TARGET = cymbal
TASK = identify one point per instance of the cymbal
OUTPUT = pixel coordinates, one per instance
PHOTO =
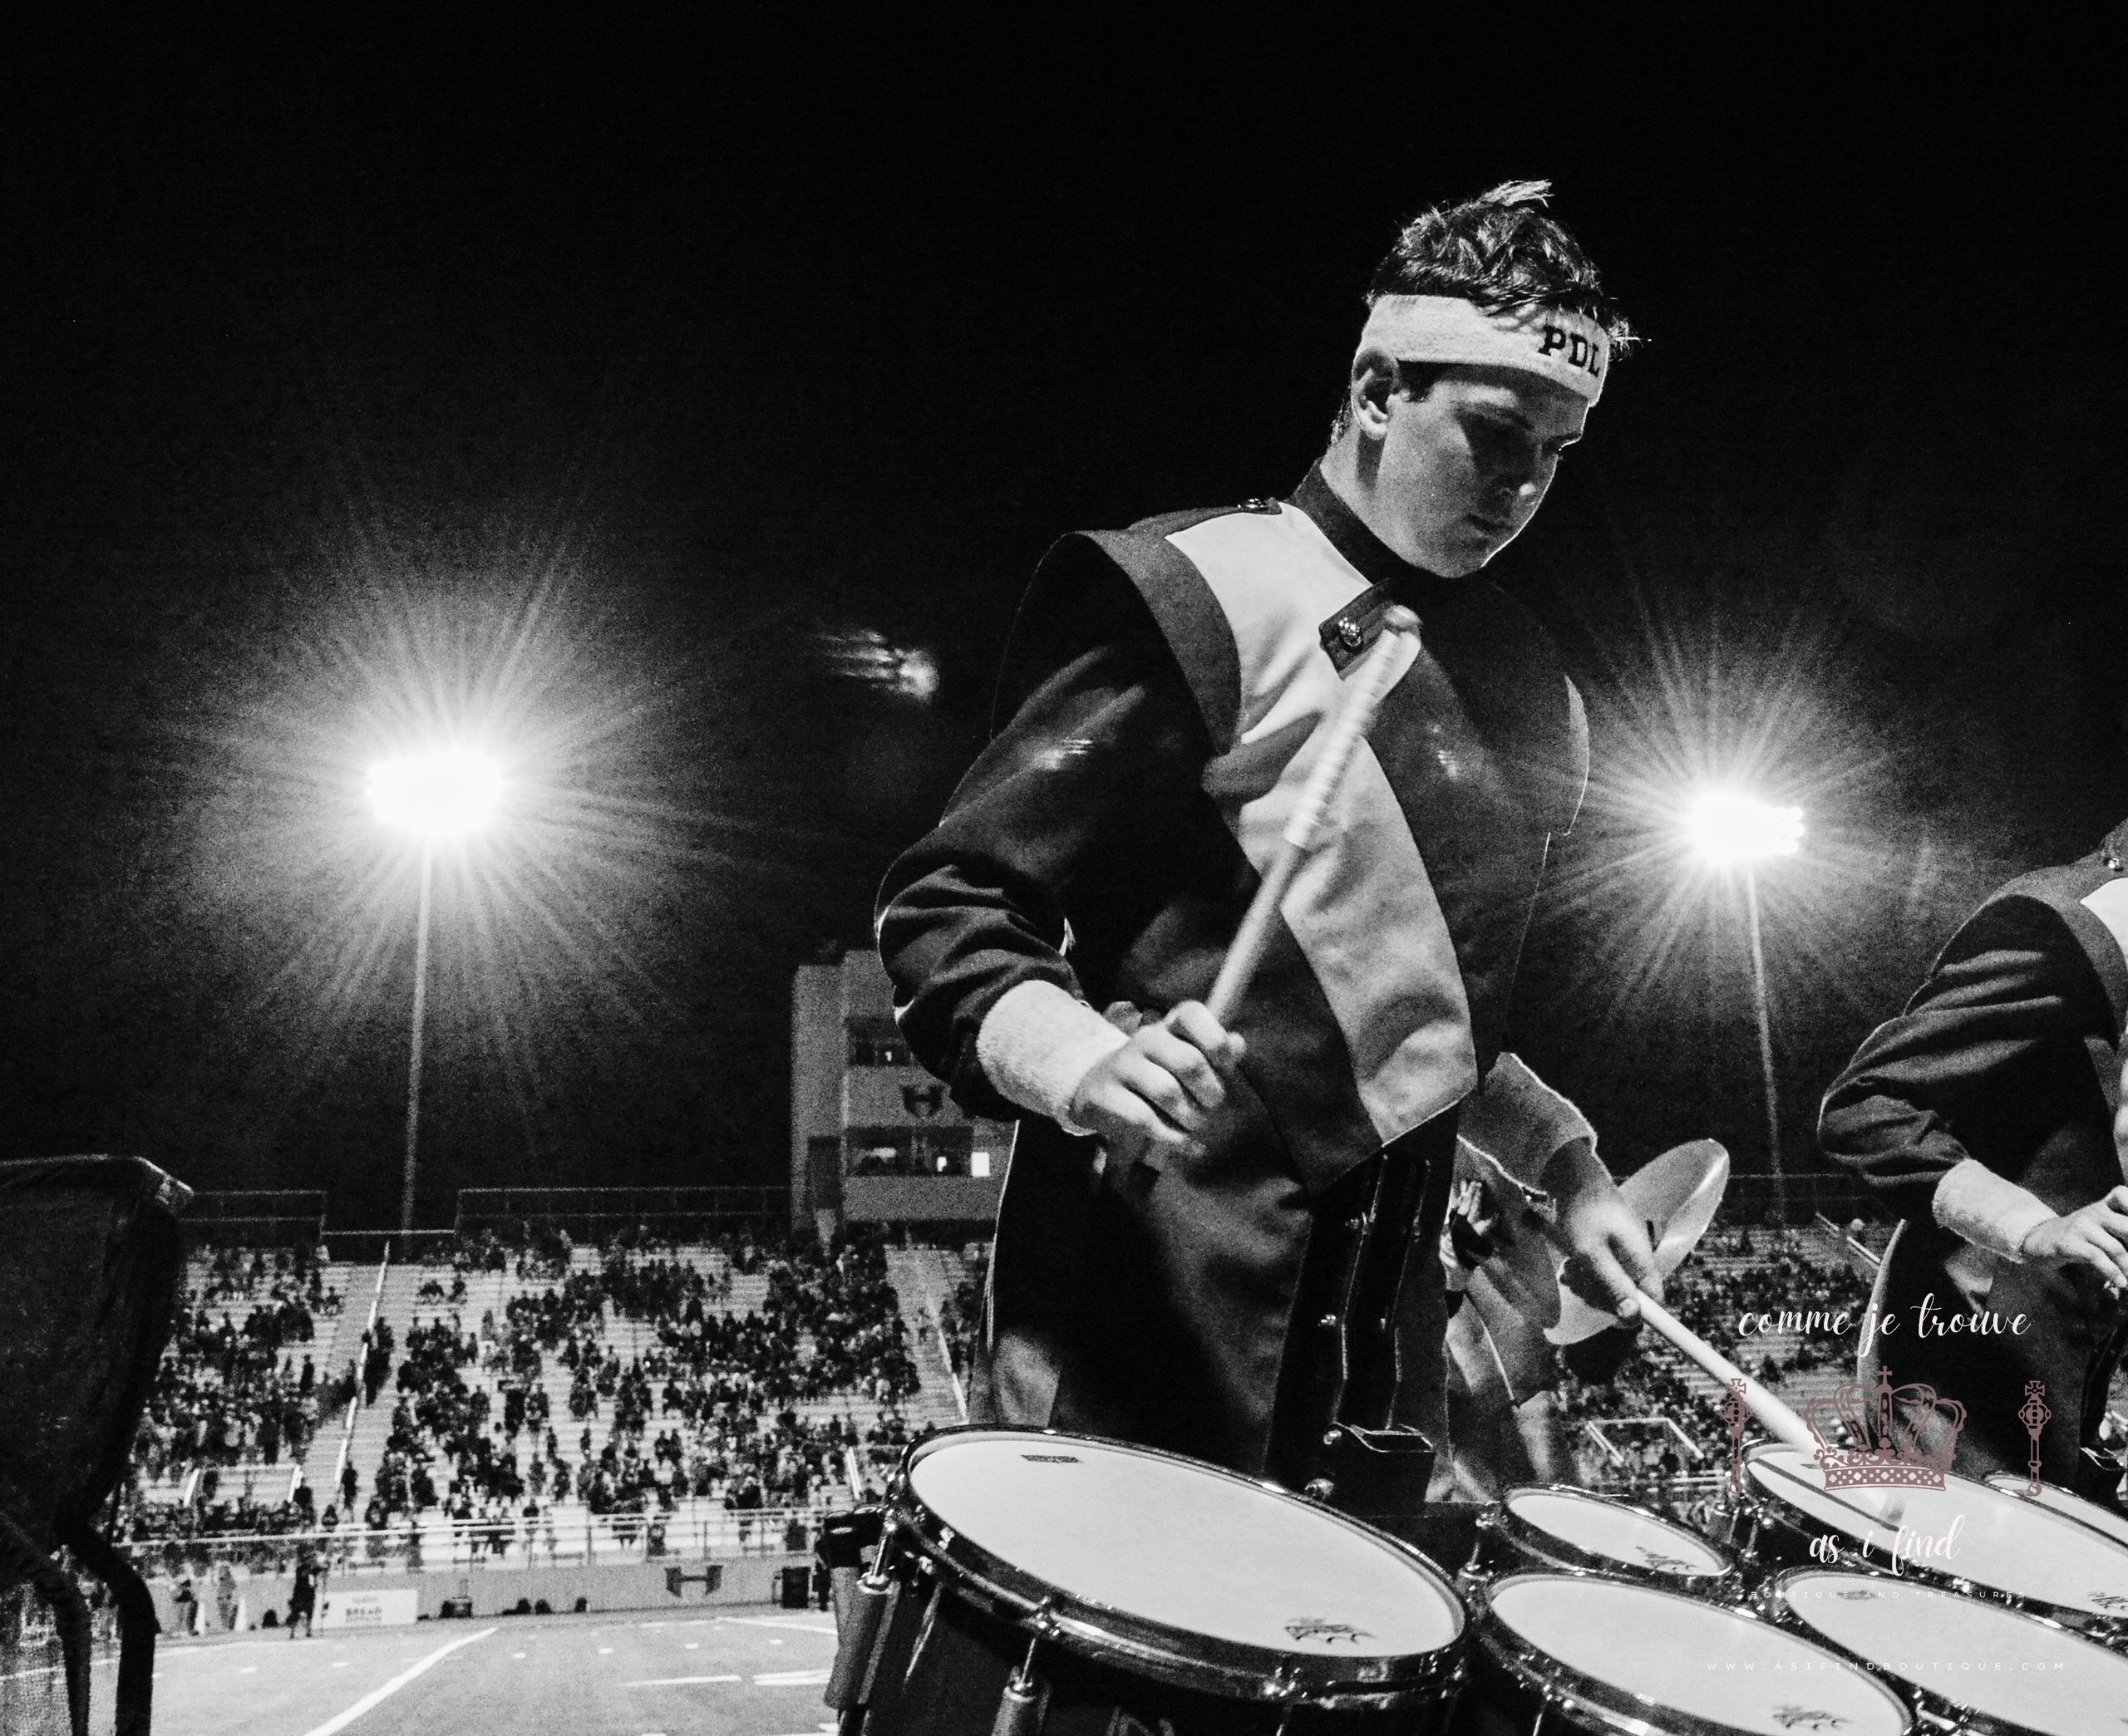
(1676, 1197)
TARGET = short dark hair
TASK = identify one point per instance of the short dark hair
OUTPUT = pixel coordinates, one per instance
(1499, 250)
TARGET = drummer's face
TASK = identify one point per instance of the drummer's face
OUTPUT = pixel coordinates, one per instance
(1459, 468)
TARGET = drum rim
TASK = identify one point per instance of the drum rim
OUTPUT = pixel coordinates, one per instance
(1758, 1501)
(1772, 1602)
(1612, 1707)
(2010, 1483)
(1571, 1558)
(1231, 1669)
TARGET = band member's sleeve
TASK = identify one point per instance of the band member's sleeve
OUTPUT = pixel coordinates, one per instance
(2013, 984)
(1519, 1121)
(1988, 1210)
(1103, 741)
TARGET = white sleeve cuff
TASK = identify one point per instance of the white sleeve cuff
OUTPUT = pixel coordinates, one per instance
(1037, 1043)
(1987, 1209)
(1521, 1121)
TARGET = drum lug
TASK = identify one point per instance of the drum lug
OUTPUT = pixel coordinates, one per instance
(1026, 1698)
(857, 1657)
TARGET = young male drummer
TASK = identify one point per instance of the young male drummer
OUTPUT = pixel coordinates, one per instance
(1985, 1115)
(1201, 1242)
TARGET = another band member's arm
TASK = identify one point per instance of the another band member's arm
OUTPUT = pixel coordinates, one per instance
(2012, 984)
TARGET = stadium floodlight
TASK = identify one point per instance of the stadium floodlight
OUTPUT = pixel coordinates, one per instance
(436, 795)
(1726, 827)
(449, 793)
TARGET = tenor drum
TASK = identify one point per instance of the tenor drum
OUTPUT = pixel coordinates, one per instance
(1965, 1536)
(1558, 1529)
(1607, 1656)
(1033, 1580)
(1965, 1665)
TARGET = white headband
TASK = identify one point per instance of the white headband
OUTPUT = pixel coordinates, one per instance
(1568, 349)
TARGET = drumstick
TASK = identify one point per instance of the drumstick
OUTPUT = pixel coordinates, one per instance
(1393, 653)
(1779, 1419)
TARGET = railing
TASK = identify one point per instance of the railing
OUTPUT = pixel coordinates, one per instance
(462, 1545)
(354, 1404)
(253, 1216)
(1752, 1198)
(587, 1211)
(361, 1246)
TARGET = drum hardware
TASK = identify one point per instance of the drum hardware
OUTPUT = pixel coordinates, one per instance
(1025, 1697)
(857, 1649)
(1377, 1475)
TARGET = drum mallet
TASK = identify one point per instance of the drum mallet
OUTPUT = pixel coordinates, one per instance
(1779, 1419)
(1395, 648)
(1394, 652)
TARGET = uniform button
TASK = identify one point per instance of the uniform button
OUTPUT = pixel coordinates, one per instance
(1328, 1323)
(1350, 633)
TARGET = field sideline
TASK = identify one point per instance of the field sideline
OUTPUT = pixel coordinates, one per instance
(759, 1671)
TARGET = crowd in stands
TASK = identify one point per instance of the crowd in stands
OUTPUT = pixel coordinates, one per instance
(706, 1408)
(229, 1393)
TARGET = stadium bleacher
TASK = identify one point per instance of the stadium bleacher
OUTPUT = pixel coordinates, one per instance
(725, 1390)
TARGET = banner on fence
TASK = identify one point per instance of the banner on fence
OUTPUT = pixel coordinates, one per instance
(368, 1608)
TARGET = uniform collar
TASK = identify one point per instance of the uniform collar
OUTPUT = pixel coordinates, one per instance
(1371, 558)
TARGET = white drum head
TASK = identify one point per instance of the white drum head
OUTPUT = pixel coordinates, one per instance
(1965, 1528)
(1679, 1654)
(1189, 1545)
(1597, 1526)
(2062, 1502)
(1979, 1656)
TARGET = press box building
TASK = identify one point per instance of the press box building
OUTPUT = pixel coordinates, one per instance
(873, 1138)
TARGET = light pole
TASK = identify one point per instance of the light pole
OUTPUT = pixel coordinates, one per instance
(434, 797)
(1730, 830)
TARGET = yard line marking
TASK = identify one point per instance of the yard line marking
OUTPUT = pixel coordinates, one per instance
(340, 1721)
(681, 1681)
(795, 1627)
(793, 1679)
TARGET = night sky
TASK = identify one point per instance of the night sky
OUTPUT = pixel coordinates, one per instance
(646, 396)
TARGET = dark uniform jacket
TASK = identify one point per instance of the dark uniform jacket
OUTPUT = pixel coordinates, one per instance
(2007, 1055)
(1160, 695)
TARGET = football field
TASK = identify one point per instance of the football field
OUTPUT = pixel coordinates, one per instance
(745, 1671)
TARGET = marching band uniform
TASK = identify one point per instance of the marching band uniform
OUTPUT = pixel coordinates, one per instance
(1160, 698)
(1984, 1109)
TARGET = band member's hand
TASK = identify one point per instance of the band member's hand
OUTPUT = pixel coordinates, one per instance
(1158, 1093)
(2094, 1235)
(1609, 1262)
